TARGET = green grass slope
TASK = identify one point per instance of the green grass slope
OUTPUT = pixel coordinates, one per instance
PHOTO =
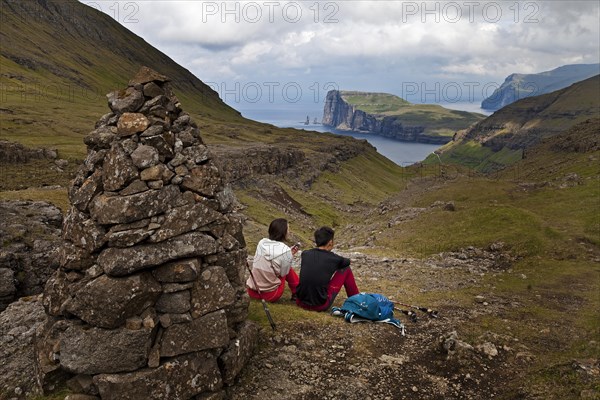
(500, 140)
(58, 60)
(545, 209)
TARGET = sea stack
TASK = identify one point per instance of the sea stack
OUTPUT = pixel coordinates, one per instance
(149, 300)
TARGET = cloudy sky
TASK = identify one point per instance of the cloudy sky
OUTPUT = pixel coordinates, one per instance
(271, 50)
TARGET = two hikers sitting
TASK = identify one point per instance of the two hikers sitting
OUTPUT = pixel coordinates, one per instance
(322, 272)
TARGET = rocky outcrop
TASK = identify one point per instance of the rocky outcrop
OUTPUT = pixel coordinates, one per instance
(341, 115)
(30, 237)
(16, 153)
(18, 324)
(149, 300)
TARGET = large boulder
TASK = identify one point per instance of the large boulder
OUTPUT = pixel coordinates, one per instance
(107, 302)
(95, 350)
(30, 236)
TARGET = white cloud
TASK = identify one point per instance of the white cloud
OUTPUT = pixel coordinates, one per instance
(369, 44)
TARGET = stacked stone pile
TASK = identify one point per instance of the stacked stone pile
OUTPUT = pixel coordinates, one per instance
(149, 300)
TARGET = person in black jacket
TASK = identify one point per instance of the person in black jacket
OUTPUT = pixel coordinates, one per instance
(323, 273)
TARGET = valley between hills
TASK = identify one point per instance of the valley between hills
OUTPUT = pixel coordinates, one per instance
(501, 235)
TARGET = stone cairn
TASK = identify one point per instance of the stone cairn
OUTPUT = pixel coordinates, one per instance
(149, 300)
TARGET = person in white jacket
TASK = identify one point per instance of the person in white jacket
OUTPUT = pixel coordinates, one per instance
(272, 265)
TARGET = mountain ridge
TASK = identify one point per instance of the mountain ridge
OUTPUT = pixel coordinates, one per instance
(518, 86)
(500, 139)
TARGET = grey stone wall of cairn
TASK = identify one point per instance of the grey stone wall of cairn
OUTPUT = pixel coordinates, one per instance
(149, 300)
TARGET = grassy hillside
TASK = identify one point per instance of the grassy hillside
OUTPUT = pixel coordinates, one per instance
(59, 58)
(437, 119)
(544, 210)
(499, 140)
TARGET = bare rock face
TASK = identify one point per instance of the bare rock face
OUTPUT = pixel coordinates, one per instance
(30, 237)
(149, 299)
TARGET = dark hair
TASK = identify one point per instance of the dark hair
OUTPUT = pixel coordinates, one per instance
(323, 235)
(278, 229)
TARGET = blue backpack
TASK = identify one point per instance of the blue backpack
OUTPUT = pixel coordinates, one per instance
(368, 307)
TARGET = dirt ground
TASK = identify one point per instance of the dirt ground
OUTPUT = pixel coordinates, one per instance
(436, 359)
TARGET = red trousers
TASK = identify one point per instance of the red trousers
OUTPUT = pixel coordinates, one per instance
(274, 295)
(340, 278)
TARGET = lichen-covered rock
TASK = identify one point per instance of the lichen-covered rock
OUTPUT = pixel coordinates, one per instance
(107, 302)
(181, 377)
(175, 303)
(184, 219)
(122, 261)
(145, 156)
(212, 291)
(118, 169)
(18, 324)
(239, 352)
(80, 196)
(204, 180)
(128, 100)
(132, 123)
(30, 234)
(95, 350)
(107, 209)
(177, 271)
(80, 230)
(202, 333)
(7, 283)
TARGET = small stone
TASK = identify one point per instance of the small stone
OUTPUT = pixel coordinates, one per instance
(157, 172)
(153, 131)
(94, 271)
(128, 100)
(152, 90)
(449, 206)
(489, 349)
(149, 322)
(479, 299)
(134, 323)
(176, 287)
(144, 156)
(154, 357)
(178, 302)
(165, 320)
(182, 170)
(145, 75)
(155, 184)
(132, 123)
(137, 186)
(414, 389)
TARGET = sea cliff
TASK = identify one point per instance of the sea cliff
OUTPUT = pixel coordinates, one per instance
(400, 120)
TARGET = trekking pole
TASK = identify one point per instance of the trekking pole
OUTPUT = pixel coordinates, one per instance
(410, 314)
(264, 303)
(429, 311)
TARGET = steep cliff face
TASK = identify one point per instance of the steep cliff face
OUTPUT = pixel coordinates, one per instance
(340, 114)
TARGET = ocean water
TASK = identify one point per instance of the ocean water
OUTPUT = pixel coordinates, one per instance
(294, 116)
